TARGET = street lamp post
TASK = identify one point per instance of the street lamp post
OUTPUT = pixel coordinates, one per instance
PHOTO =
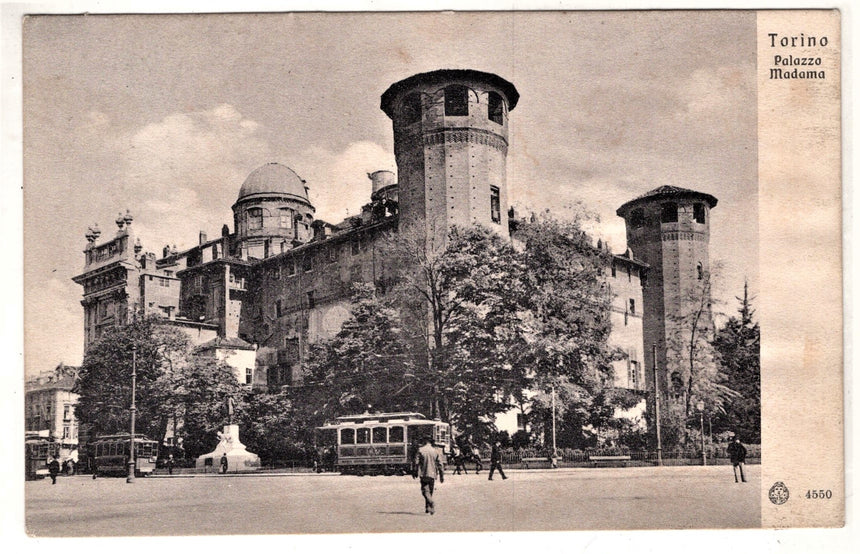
(701, 406)
(131, 464)
(553, 424)
(657, 407)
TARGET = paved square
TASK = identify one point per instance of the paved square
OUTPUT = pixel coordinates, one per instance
(567, 499)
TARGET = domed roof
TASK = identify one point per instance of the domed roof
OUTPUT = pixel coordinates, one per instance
(273, 178)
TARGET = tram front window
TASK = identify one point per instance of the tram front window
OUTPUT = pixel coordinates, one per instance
(347, 436)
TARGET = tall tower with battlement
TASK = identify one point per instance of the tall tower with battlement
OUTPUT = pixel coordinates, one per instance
(451, 145)
(669, 229)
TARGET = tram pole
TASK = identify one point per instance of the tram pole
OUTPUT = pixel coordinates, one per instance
(131, 462)
(657, 407)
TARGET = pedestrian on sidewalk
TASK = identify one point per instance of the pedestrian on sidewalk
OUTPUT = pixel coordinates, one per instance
(170, 464)
(457, 455)
(53, 469)
(428, 466)
(496, 461)
(224, 463)
(738, 455)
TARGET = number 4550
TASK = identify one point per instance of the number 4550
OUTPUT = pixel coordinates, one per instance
(820, 493)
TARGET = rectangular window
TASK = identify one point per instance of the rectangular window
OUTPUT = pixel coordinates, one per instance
(291, 267)
(362, 436)
(395, 434)
(347, 436)
(67, 412)
(634, 373)
(495, 205)
(332, 253)
(632, 306)
(279, 307)
(255, 218)
(669, 213)
(356, 245)
(495, 108)
(380, 435)
(456, 100)
(699, 213)
(249, 375)
(311, 302)
(308, 262)
(521, 421)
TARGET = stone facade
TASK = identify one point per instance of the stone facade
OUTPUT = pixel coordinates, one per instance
(49, 405)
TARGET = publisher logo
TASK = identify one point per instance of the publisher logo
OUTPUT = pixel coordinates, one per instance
(778, 493)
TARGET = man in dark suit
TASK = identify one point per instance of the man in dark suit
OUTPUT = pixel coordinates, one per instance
(738, 455)
(428, 466)
(53, 469)
(496, 461)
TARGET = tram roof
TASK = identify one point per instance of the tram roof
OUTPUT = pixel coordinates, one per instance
(123, 436)
(393, 417)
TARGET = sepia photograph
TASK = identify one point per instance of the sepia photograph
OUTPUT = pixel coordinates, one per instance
(385, 272)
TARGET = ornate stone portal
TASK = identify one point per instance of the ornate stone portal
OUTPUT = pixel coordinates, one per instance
(238, 458)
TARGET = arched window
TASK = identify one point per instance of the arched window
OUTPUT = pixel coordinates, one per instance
(496, 108)
(456, 100)
(699, 213)
(700, 273)
(411, 109)
(286, 218)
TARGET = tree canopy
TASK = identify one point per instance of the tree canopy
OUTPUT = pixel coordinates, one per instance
(738, 345)
(173, 384)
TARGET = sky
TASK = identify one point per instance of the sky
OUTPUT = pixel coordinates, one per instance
(167, 115)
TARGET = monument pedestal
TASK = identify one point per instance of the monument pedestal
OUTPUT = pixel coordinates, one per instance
(238, 458)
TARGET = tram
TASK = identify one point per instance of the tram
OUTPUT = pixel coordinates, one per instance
(110, 455)
(372, 444)
(37, 451)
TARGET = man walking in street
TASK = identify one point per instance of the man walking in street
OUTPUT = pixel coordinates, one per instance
(224, 463)
(428, 466)
(496, 461)
(738, 455)
(53, 469)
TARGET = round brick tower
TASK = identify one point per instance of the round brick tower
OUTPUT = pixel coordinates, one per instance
(668, 228)
(451, 144)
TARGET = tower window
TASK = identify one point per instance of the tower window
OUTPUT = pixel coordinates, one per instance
(411, 109)
(308, 262)
(700, 273)
(496, 108)
(456, 100)
(249, 375)
(699, 213)
(495, 205)
(632, 306)
(613, 269)
(311, 301)
(286, 218)
(634, 373)
(637, 218)
(255, 218)
(669, 213)
(279, 307)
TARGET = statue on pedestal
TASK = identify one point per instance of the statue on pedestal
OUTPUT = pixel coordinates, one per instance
(238, 458)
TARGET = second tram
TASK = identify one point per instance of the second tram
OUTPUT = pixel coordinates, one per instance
(110, 455)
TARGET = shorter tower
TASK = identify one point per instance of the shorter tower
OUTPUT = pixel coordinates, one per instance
(669, 229)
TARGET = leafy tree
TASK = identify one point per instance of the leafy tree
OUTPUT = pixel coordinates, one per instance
(738, 345)
(365, 366)
(275, 426)
(202, 389)
(695, 377)
(172, 385)
(569, 351)
(104, 382)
